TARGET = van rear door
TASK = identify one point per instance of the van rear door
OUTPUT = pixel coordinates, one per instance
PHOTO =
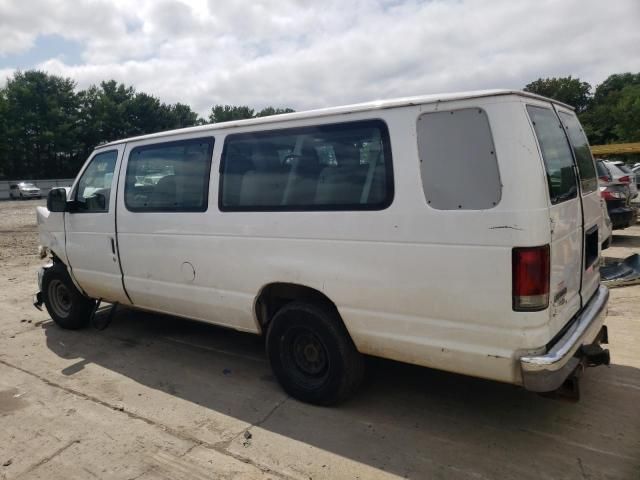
(590, 195)
(567, 232)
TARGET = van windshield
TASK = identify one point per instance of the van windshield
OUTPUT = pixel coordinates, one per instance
(556, 154)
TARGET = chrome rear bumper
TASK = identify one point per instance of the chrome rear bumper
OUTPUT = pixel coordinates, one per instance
(547, 372)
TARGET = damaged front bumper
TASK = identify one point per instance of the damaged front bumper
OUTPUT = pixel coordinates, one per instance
(37, 297)
(579, 345)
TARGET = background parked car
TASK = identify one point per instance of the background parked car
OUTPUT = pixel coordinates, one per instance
(620, 174)
(633, 184)
(636, 170)
(24, 190)
(606, 228)
(617, 193)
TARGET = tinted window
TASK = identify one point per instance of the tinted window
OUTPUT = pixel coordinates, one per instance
(169, 177)
(327, 167)
(602, 170)
(582, 152)
(458, 161)
(556, 154)
(94, 186)
(624, 168)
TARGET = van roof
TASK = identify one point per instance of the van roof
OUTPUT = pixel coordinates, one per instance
(344, 109)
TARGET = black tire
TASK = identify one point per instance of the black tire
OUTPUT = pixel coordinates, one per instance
(312, 354)
(68, 307)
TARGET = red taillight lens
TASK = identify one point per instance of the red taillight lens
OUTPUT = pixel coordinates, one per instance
(625, 179)
(604, 178)
(608, 194)
(531, 270)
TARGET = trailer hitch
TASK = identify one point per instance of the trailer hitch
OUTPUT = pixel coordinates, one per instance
(595, 355)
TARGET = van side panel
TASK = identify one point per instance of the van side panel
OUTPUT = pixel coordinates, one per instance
(411, 283)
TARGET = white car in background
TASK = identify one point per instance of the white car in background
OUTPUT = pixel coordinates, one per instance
(633, 176)
(24, 190)
(620, 173)
(606, 229)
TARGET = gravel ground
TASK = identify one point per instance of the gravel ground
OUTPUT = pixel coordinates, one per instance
(159, 397)
(18, 235)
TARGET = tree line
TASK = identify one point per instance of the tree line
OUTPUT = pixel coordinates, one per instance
(610, 113)
(48, 127)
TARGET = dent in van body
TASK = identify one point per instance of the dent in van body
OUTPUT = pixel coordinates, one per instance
(51, 232)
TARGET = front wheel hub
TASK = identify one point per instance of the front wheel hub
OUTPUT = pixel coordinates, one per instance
(59, 298)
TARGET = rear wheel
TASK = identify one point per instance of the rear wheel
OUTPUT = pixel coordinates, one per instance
(68, 307)
(312, 354)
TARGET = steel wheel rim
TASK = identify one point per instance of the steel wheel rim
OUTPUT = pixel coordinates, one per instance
(307, 358)
(59, 298)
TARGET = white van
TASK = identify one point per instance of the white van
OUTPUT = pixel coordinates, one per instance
(458, 232)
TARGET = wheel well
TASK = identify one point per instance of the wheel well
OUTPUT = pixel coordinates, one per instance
(276, 295)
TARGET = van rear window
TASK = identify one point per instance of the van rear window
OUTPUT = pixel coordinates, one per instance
(582, 152)
(556, 153)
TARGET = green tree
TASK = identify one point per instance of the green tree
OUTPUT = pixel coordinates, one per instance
(614, 114)
(40, 114)
(568, 90)
(47, 128)
(268, 111)
(182, 116)
(228, 113)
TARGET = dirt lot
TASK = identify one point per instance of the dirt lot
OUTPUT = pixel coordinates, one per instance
(157, 397)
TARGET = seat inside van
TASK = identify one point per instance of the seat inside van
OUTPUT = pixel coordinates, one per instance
(264, 184)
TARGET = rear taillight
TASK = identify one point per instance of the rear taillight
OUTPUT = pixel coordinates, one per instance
(530, 278)
(625, 179)
(604, 178)
(608, 194)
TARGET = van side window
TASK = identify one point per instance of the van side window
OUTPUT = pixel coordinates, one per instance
(169, 177)
(582, 152)
(556, 154)
(458, 161)
(94, 187)
(326, 167)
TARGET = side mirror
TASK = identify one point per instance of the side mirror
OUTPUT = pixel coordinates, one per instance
(57, 200)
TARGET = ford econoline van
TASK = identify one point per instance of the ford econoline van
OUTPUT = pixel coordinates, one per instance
(457, 232)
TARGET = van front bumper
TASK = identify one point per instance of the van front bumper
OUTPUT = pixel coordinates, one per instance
(576, 347)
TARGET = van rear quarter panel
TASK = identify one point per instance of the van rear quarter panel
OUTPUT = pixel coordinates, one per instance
(411, 283)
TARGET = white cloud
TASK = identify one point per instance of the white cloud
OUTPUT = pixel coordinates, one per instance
(307, 54)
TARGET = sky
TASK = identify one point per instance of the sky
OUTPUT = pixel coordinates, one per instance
(310, 54)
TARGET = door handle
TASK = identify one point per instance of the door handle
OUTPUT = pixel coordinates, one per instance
(113, 245)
